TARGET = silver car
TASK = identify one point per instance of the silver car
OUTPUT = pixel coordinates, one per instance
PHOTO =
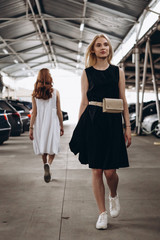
(150, 125)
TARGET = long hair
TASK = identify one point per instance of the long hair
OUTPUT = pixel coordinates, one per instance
(43, 87)
(90, 58)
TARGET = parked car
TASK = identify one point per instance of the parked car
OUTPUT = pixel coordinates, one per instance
(24, 112)
(5, 127)
(149, 109)
(26, 104)
(132, 106)
(150, 124)
(65, 116)
(13, 117)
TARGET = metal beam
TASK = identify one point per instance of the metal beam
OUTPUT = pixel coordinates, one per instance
(130, 64)
(40, 33)
(137, 75)
(16, 54)
(81, 31)
(9, 21)
(111, 9)
(90, 30)
(154, 50)
(25, 38)
(143, 85)
(46, 31)
(45, 18)
(128, 73)
(66, 38)
(154, 83)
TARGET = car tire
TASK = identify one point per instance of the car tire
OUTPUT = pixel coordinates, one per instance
(16, 134)
(156, 128)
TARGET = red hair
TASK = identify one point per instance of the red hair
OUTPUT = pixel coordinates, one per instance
(43, 87)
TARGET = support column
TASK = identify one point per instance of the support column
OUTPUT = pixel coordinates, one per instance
(137, 84)
(154, 82)
(143, 85)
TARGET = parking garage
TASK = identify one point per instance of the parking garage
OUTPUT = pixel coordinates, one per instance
(55, 35)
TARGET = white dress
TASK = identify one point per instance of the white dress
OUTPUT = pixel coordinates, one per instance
(46, 130)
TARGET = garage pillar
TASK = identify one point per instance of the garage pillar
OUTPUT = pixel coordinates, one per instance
(137, 71)
(143, 84)
(154, 82)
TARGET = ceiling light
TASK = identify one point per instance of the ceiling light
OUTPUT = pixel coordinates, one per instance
(81, 27)
(5, 51)
(15, 60)
(77, 66)
(80, 44)
(23, 69)
(29, 74)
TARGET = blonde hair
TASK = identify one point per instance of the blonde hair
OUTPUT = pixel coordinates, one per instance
(43, 87)
(90, 58)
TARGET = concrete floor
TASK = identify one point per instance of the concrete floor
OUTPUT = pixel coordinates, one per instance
(65, 208)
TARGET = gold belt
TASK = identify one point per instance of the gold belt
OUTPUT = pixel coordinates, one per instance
(99, 104)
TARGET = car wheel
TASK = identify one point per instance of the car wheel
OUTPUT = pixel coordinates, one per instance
(153, 127)
(157, 130)
(18, 133)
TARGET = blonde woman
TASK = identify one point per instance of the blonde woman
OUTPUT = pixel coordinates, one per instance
(46, 124)
(98, 136)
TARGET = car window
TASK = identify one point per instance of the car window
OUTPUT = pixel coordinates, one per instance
(18, 108)
(5, 106)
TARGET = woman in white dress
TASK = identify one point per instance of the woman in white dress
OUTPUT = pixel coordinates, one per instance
(46, 124)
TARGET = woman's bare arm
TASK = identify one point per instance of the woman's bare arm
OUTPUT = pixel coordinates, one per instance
(84, 89)
(59, 113)
(33, 117)
(126, 112)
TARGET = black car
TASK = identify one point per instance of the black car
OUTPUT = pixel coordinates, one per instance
(13, 117)
(24, 112)
(132, 106)
(65, 116)
(27, 104)
(5, 127)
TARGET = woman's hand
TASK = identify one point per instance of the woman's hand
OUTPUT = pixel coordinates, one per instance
(61, 131)
(31, 134)
(127, 136)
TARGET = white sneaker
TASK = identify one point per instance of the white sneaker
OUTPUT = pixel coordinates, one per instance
(114, 206)
(102, 221)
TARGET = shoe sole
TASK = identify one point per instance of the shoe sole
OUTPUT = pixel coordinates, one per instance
(47, 175)
(114, 216)
(101, 228)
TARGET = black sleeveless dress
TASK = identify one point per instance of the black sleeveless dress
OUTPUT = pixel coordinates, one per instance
(98, 137)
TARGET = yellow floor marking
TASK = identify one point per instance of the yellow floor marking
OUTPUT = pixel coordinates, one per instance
(156, 143)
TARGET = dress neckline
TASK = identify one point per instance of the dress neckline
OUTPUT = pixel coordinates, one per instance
(102, 69)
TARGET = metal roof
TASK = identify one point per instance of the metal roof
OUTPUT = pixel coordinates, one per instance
(128, 62)
(46, 33)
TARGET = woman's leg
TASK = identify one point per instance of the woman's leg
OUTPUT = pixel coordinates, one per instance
(44, 158)
(112, 181)
(47, 175)
(98, 188)
(50, 160)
